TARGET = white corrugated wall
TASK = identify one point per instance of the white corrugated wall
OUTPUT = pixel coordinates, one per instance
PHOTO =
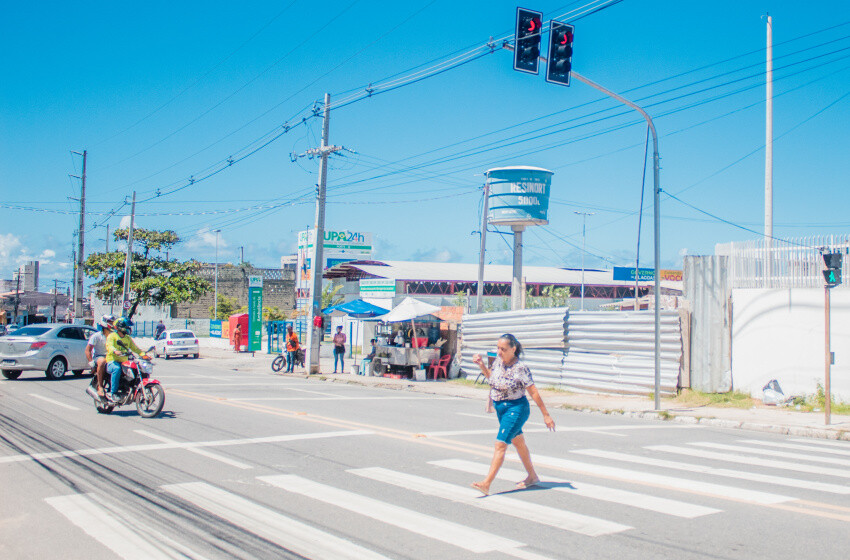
(590, 351)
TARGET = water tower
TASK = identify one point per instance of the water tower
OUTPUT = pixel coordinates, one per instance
(517, 196)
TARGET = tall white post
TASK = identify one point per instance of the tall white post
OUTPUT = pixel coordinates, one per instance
(516, 281)
(215, 292)
(584, 216)
(768, 160)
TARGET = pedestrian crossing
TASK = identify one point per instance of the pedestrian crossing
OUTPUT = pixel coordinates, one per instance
(636, 499)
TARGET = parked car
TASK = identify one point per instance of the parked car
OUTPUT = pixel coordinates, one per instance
(54, 348)
(177, 343)
(2, 330)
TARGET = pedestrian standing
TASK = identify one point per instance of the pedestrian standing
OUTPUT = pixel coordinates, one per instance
(237, 337)
(291, 348)
(510, 380)
(160, 328)
(339, 349)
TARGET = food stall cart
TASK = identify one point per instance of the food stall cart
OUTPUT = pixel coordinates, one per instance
(402, 346)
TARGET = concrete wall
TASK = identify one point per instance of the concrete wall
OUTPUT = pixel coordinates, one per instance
(233, 282)
(779, 334)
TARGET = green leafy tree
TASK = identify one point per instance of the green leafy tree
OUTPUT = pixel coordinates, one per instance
(273, 314)
(331, 295)
(460, 299)
(550, 296)
(227, 306)
(154, 279)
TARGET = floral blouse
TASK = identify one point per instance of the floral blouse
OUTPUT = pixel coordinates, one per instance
(509, 382)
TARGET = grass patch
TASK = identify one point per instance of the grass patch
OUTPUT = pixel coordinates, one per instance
(467, 381)
(816, 403)
(732, 399)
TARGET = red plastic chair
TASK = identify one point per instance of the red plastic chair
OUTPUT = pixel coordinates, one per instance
(439, 365)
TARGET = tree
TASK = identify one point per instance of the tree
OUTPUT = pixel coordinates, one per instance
(227, 306)
(550, 296)
(331, 295)
(273, 314)
(154, 278)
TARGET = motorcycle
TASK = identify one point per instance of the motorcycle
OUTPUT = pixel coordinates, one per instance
(135, 386)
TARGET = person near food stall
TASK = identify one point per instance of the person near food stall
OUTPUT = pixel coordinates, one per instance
(339, 349)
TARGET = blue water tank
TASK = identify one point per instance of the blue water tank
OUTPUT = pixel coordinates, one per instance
(519, 195)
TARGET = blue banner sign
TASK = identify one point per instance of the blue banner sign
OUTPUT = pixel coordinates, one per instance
(628, 273)
(519, 196)
(215, 328)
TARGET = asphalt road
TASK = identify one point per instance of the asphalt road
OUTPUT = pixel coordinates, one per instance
(252, 465)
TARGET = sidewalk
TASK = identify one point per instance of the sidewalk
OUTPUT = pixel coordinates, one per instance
(760, 418)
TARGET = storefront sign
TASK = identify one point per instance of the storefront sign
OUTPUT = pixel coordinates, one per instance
(645, 274)
(377, 288)
(215, 328)
(255, 313)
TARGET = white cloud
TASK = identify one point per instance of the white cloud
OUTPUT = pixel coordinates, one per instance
(47, 254)
(205, 237)
(125, 222)
(9, 244)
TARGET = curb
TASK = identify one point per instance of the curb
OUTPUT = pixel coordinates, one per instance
(664, 416)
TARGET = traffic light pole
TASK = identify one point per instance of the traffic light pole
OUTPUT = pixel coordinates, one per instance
(656, 173)
(827, 393)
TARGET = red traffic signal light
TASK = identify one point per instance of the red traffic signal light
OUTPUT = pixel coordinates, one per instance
(529, 27)
(560, 52)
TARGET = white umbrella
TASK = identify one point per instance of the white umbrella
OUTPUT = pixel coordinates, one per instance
(407, 310)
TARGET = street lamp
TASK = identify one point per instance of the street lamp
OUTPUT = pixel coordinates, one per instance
(215, 298)
(584, 216)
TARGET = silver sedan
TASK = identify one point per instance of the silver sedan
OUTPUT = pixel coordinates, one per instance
(54, 349)
(177, 343)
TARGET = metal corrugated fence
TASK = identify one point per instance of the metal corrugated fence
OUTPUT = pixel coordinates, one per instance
(603, 352)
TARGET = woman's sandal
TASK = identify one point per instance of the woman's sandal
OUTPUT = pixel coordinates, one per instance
(524, 485)
(478, 486)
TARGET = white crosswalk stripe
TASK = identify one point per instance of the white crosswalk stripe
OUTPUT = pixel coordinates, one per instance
(733, 458)
(773, 453)
(468, 538)
(593, 491)
(545, 515)
(687, 485)
(845, 445)
(727, 473)
(271, 525)
(114, 529)
(801, 447)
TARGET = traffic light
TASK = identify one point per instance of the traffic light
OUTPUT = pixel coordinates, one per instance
(529, 27)
(560, 53)
(832, 274)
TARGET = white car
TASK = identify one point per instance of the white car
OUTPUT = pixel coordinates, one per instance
(52, 348)
(177, 343)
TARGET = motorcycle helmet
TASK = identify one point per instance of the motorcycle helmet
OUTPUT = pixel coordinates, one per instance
(122, 325)
(107, 320)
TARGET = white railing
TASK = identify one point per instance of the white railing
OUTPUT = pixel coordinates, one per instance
(792, 263)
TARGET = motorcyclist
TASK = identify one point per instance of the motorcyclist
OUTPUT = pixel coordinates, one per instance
(117, 344)
(96, 350)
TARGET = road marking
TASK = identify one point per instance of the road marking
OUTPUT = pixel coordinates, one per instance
(339, 398)
(596, 429)
(284, 531)
(592, 491)
(784, 465)
(684, 484)
(545, 515)
(198, 451)
(728, 473)
(52, 401)
(842, 445)
(492, 431)
(177, 445)
(448, 532)
(117, 531)
(813, 448)
(774, 453)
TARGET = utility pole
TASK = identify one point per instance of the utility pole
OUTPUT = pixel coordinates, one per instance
(768, 160)
(314, 335)
(107, 238)
(584, 216)
(128, 261)
(215, 297)
(81, 245)
(479, 293)
(55, 297)
(17, 293)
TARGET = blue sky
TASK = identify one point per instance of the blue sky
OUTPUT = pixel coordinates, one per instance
(167, 93)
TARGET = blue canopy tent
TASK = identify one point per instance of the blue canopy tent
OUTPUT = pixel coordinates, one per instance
(358, 309)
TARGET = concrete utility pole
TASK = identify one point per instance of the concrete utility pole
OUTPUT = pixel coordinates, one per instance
(215, 297)
(128, 261)
(314, 335)
(17, 293)
(81, 245)
(479, 293)
(768, 160)
(55, 298)
(516, 280)
(107, 238)
(584, 216)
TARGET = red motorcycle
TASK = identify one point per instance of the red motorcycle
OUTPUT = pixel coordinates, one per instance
(135, 386)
